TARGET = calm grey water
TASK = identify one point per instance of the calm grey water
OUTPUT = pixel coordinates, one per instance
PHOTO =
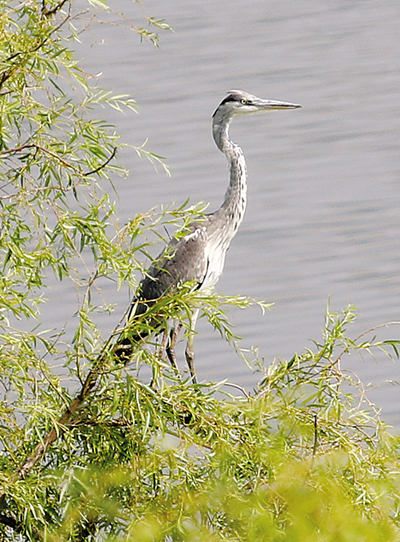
(323, 218)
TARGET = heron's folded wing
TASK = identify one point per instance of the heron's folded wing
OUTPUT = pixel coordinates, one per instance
(184, 260)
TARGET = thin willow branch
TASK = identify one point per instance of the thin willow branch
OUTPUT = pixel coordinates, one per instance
(21, 148)
(93, 171)
(346, 349)
(7, 73)
(49, 12)
(62, 425)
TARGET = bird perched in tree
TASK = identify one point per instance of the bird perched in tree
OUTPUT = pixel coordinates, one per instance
(199, 256)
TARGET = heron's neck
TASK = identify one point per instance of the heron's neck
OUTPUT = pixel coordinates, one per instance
(235, 201)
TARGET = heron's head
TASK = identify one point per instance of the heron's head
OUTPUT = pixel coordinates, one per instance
(238, 102)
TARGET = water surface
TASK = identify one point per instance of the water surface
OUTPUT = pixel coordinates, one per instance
(323, 218)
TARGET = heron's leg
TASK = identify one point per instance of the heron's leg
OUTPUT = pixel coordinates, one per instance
(170, 349)
(189, 352)
(159, 349)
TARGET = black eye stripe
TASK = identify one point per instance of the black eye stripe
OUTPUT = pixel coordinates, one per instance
(233, 98)
(229, 98)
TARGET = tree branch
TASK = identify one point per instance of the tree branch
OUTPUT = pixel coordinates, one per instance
(62, 425)
(7, 73)
(64, 422)
(24, 146)
(103, 165)
(49, 12)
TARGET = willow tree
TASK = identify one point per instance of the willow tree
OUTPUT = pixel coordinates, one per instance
(57, 162)
(89, 451)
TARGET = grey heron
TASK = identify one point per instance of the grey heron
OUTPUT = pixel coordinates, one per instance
(199, 256)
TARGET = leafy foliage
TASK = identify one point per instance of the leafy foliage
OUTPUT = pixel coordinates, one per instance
(102, 455)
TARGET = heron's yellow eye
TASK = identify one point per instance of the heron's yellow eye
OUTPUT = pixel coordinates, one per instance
(243, 101)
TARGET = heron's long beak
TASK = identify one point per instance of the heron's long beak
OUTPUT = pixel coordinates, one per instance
(272, 104)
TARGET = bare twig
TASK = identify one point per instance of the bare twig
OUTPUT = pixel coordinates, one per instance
(394, 323)
(380, 326)
(114, 152)
(49, 12)
(238, 388)
(315, 444)
(21, 148)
